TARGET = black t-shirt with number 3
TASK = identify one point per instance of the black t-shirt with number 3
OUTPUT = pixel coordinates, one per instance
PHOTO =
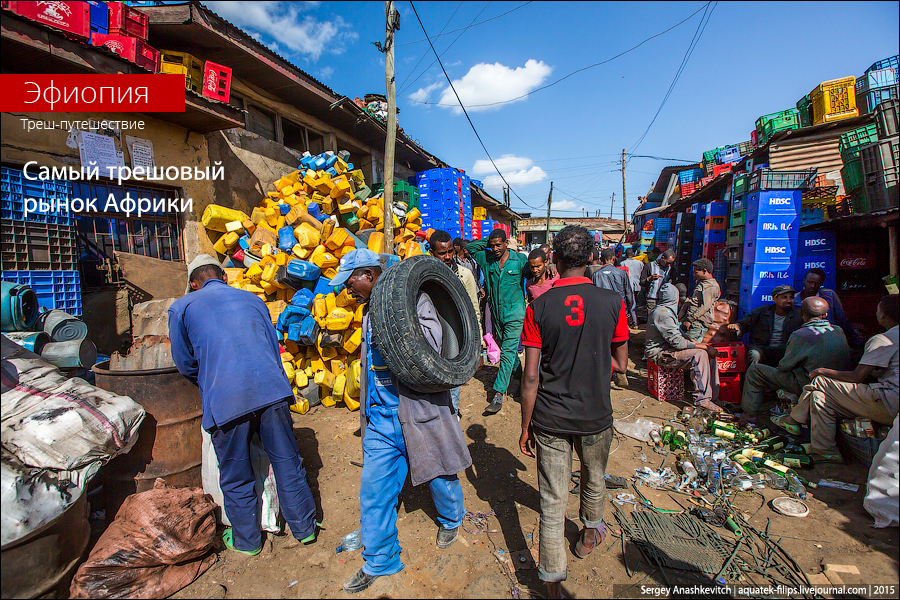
(574, 323)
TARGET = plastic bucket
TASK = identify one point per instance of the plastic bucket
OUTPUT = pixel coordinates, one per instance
(61, 326)
(30, 340)
(71, 355)
(18, 307)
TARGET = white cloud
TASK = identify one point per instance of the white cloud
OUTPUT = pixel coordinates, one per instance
(489, 83)
(283, 22)
(565, 205)
(517, 170)
(422, 94)
(326, 72)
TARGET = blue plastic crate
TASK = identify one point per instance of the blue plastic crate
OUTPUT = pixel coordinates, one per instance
(827, 261)
(811, 243)
(769, 250)
(767, 274)
(15, 189)
(774, 202)
(689, 176)
(771, 227)
(54, 289)
(754, 297)
(890, 62)
(714, 236)
(810, 215)
(717, 209)
(728, 155)
(739, 202)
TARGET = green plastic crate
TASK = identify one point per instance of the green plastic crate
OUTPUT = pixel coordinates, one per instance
(804, 106)
(735, 236)
(710, 155)
(852, 176)
(740, 184)
(791, 114)
(859, 204)
(852, 141)
(738, 218)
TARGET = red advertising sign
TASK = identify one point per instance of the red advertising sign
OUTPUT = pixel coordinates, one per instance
(92, 93)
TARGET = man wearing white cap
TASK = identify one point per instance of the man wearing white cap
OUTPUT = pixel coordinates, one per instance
(223, 340)
(403, 431)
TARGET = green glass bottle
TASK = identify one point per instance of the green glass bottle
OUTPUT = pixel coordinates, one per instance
(795, 461)
(679, 440)
(798, 449)
(773, 444)
(727, 433)
(746, 464)
(667, 433)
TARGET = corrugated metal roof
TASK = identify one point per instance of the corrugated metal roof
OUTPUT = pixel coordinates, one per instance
(819, 151)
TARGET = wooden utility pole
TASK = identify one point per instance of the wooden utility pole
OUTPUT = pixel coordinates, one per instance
(612, 203)
(624, 198)
(549, 201)
(390, 141)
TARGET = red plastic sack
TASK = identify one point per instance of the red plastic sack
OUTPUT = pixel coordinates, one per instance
(159, 542)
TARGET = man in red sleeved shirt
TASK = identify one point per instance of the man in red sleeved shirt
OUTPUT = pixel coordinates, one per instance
(575, 335)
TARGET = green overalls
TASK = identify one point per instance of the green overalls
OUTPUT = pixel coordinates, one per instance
(506, 298)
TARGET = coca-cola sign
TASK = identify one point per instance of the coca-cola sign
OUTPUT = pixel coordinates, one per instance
(856, 256)
(859, 262)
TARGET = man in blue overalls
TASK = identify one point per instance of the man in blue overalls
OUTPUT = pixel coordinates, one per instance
(403, 431)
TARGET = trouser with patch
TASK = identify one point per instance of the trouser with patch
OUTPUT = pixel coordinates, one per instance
(232, 444)
(762, 378)
(554, 462)
(385, 465)
(825, 400)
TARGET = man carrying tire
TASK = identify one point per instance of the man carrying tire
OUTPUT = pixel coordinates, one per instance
(574, 335)
(504, 272)
(403, 431)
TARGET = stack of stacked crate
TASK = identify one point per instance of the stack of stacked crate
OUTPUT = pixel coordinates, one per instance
(816, 250)
(445, 197)
(715, 228)
(685, 231)
(39, 246)
(880, 161)
(662, 226)
(850, 145)
(880, 82)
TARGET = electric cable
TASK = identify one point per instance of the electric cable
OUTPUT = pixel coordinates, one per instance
(413, 70)
(472, 25)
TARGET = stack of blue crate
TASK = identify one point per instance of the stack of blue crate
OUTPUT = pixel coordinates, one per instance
(771, 230)
(445, 197)
(699, 212)
(816, 250)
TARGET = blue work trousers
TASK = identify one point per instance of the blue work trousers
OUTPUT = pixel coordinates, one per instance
(385, 465)
(232, 444)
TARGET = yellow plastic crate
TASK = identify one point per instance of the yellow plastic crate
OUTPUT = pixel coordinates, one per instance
(479, 213)
(834, 100)
(182, 63)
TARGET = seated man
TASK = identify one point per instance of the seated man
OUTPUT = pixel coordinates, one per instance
(845, 394)
(770, 327)
(667, 346)
(696, 314)
(812, 287)
(814, 345)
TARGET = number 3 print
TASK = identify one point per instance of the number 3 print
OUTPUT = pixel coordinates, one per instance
(576, 305)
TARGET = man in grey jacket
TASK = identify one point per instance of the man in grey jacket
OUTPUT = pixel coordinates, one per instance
(667, 346)
(403, 431)
(610, 277)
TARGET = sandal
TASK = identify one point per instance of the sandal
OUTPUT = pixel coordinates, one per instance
(778, 422)
(824, 459)
(581, 550)
(228, 539)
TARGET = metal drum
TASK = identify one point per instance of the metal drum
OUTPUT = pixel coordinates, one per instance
(169, 443)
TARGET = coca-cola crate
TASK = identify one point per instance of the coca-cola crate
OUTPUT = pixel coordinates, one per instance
(856, 256)
(130, 48)
(216, 81)
(74, 18)
(731, 358)
(666, 383)
(124, 20)
(730, 388)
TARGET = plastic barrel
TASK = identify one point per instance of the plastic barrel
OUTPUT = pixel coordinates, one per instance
(71, 355)
(30, 340)
(61, 326)
(18, 307)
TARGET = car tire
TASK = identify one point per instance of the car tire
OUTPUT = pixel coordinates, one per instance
(395, 325)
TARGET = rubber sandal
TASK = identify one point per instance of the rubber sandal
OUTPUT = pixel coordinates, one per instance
(778, 422)
(311, 539)
(228, 539)
(824, 459)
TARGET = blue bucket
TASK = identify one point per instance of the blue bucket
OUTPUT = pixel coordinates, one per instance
(18, 307)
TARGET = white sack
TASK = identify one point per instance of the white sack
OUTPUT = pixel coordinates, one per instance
(883, 495)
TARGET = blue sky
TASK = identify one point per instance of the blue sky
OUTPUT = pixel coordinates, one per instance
(752, 58)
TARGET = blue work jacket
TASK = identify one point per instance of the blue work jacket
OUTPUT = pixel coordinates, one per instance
(223, 340)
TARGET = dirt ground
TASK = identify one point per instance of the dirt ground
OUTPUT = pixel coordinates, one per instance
(502, 481)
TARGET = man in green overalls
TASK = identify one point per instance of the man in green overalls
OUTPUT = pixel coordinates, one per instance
(504, 273)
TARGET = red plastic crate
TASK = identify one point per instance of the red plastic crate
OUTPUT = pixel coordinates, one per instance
(719, 169)
(709, 251)
(753, 143)
(715, 222)
(216, 81)
(856, 256)
(130, 48)
(666, 383)
(124, 20)
(663, 246)
(732, 357)
(74, 18)
(688, 188)
(730, 388)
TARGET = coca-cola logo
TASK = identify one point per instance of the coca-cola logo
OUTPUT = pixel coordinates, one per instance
(727, 364)
(859, 261)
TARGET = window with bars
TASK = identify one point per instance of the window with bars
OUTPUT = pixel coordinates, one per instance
(157, 235)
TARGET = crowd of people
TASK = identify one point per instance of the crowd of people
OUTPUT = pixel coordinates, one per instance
(571, 310)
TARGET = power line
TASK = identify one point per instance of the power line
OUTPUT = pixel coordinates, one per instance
(701, 27)
(464, 28)
(442, 53)
(570, 74)
(465, 112)
(400, 87)
(687, 160)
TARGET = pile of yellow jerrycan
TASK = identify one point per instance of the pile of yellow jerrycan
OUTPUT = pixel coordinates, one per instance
(288, 250)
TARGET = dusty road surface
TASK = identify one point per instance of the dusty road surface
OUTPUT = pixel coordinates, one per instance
(503, 483)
